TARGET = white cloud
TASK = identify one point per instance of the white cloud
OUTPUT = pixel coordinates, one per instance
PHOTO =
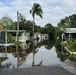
(4, 9)
(53, 10)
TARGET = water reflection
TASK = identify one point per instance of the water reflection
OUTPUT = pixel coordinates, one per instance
(49, 44)
(63, 55)
(40, 53)
(34, 52)
(3, 57)
(24, 45)
(37, 45)
(20, 55)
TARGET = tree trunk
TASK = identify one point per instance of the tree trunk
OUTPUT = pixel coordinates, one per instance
(33, 27)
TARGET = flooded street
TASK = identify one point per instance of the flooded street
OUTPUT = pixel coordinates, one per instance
(44, 54)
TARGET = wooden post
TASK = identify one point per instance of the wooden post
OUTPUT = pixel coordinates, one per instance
(24, 39)
(6, 36)
(6, 51)
(16, 35)
(17, 53)
(69, 35)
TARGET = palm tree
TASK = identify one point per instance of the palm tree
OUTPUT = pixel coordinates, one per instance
(36, 10)
(62, 26)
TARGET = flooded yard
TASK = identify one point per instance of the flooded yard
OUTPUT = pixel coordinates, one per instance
(44, 54)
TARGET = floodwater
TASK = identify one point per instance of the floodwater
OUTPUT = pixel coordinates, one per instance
(41, 54)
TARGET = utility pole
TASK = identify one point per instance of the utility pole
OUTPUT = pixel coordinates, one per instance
(69, 24)
(17, 32)
(17, 39)
(68, 19)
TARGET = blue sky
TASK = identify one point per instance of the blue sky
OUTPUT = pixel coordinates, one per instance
(53, 10)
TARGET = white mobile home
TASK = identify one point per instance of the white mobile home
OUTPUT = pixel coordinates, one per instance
(37, 35)
(45, 37)
(23, 35)
(69, 33)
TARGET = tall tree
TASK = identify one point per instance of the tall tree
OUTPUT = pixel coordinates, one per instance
(36, 10)
(69, 21)
(49, 29)
(7, 23)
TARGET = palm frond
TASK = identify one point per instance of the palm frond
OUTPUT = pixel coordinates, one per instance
(36, 9)
(39, 14)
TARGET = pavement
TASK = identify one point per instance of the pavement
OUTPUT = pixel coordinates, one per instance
(38, 70)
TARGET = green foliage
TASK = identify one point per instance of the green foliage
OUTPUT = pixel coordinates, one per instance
(17, 42)
(1, 27)
(58, 33)
(70, 44)
(62, 26)
(74, 45)
(37, 28)
(69, 21)
(70, 41)
(36, 9)
(49, 29)
(28, 26)
(49, 44)
(64, 43)
(10, 38)
(22, 18)
(7, 23)
(73, 58)
(25, 25)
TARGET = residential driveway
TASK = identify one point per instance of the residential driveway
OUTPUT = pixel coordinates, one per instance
(42, 70)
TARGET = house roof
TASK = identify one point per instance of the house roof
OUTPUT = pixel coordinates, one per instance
(13, 30)
(70, 30)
